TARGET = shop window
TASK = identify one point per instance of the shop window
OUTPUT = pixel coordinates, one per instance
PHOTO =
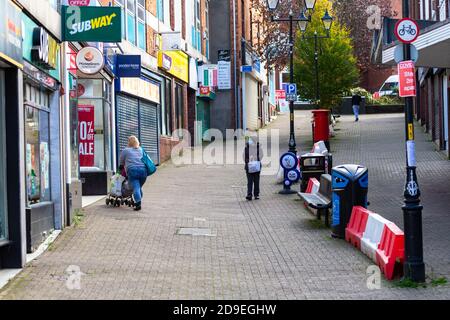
(37, 139)
(3, 182)
(94, 125)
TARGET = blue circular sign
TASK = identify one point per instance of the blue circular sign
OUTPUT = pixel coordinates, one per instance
(293, 175)
(289, 161)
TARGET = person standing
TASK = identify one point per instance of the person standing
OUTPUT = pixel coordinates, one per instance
(131, 160)
(252, 158)
(356, 102)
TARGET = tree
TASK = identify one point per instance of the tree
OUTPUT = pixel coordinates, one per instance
(361, 17)
(336, 62)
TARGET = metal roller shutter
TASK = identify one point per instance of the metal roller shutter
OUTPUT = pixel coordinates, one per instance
(127, 113)
(149, 135)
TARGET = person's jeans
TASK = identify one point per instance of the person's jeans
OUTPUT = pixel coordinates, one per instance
(253, 184)
(356, 111)
(137, 177)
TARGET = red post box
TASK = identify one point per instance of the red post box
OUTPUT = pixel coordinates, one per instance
(321, 129)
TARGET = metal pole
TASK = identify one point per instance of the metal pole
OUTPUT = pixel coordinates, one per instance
(292, 144)
(316, 65)
(414, 267)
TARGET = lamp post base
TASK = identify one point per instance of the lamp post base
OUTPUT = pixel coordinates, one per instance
(287, 191)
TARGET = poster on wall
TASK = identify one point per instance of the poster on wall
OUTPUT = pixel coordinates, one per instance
(86, 117)
(45, 168)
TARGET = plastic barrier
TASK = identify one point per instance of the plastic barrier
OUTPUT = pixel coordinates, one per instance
(357, 226)
(372, 235)
(320, 147)
(391, 251)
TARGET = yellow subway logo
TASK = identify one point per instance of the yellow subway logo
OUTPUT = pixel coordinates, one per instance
(92, 24)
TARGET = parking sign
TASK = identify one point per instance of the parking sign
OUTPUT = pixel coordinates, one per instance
(292, 89)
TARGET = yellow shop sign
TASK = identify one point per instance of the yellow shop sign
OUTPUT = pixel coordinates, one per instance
(176, 63)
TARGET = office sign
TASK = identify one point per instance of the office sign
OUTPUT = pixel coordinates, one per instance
(11, 33)
(90, 60)
(86, 135)
(97, 24)
(128, 66)
(224, 75)
(79, 3)
(407, 79)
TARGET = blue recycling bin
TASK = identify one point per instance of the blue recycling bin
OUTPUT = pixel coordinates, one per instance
(350, 184)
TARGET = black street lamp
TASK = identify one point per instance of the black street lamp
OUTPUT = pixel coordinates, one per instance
(327, 21)
(414, 267)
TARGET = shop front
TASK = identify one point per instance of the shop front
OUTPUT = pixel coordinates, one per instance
(174, 66)
(12, 210)
(94, 98)
(138, 112)
(42, 120)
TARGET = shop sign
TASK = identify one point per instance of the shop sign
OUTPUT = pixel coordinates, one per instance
(90, 60)
(175, 63)
(407, 79)
(224, 55)
(86, 135)
(44, 52)
(280, 95)
(206, 92)
(139, 87)
(39, 76)
(208, 75)
(11, 33)
(128, 66)
(98, 24)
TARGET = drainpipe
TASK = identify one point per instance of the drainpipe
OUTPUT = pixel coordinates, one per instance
(236, 92)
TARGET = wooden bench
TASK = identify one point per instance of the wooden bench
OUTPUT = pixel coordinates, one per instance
(322, 199)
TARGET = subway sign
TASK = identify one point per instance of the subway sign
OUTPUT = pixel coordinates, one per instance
(96, 24)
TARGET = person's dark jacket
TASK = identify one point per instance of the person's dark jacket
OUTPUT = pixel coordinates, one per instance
(356, 100)
(252, 152)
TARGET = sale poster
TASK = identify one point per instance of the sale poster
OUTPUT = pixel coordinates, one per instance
(407, 79)
(86, 135)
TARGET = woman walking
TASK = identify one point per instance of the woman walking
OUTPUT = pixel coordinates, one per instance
(252, 158)
(131, 160)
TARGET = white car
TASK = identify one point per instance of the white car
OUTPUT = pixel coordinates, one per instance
(389, 86)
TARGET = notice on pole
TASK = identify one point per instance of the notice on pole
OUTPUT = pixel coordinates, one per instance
(411, 153)
(407, 79)
(86, 135)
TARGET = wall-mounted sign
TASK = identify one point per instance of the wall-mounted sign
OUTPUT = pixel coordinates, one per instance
(79, 3)
(128, 66)
(39, 76)
(407, 79)
(98, 24)
(86, 135)
(224, 75)
(11, 33)
(223, 55)
(208, 75)
(206, 92)
(44, 52)
(246, 69)
(171, 41)
(280, 95)
(139, 87)
(90, 60)
(176, 63)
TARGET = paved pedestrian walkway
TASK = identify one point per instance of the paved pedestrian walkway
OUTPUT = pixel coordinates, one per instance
(266, 249)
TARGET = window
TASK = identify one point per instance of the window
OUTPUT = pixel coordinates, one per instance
(196, 33)
(179, 103)
(3, 182)
(207, 29)
(37, 139)
(133, 21)
(166, 108)
(160, 10)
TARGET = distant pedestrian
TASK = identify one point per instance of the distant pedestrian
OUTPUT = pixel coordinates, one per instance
(131, 160)
(356, 102)
(253, 155)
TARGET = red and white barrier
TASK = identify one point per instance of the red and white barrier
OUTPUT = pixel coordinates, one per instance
(380, 239)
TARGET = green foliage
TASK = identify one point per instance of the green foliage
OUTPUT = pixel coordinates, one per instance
(78, 217)
(382, 101)
(439, 281)
(337, 67)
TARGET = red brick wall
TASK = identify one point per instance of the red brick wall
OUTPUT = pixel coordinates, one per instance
(151, 6)
(374, 78)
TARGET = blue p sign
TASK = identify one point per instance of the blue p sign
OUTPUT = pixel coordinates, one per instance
(292, 88)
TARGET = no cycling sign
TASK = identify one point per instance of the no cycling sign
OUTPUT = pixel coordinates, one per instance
(406, 30)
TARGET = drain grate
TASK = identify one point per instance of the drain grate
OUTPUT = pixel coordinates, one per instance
(206, 232)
